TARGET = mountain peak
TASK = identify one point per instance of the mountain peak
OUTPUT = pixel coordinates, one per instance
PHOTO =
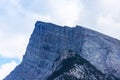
(51, 45)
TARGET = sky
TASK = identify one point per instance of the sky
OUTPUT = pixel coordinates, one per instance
(18, 17)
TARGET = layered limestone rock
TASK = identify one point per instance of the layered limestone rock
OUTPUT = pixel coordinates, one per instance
(48, 42)
(73, 67)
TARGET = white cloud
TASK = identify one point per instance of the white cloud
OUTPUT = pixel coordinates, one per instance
(108, 22)
(5, 69)
(13, 46)
(108, 26)
(65, 12)
(111, 9)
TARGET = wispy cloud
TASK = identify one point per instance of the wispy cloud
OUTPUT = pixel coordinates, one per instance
(65, 12)
(6, 68)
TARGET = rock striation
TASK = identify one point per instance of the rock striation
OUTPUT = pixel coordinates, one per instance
(50, 47)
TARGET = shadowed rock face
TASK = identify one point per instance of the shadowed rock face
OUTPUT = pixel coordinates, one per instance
(48, 43)
(74, 67)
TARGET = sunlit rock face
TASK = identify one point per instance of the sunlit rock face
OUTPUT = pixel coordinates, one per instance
(49, 47)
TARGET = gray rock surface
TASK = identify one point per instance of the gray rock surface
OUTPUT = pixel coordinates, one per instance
(48, 42)
(73, 67)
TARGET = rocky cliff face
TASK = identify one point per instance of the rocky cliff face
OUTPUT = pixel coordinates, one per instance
(74, 67)
(97, 56)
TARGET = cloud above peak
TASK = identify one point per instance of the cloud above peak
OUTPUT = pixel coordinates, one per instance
(65, 12)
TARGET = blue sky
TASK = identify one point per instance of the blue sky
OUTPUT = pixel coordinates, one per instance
(17, 19)
(8, 60)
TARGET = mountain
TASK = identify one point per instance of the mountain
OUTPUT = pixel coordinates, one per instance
(64, 53)
(74, 67)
